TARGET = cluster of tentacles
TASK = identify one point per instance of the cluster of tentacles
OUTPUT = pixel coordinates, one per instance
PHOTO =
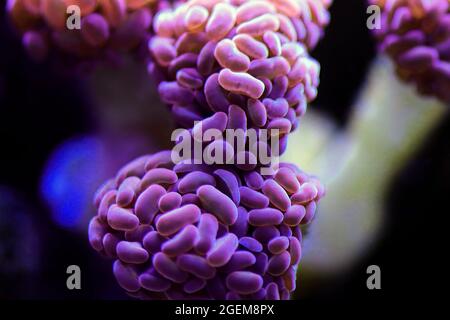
(202, 231)
(416, 35)
(107, 27)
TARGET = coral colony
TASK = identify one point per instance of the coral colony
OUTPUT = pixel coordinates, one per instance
(193, 228)
(244, 63)
(203, 232)
(416, 35)
(197, 231)
(106, 26)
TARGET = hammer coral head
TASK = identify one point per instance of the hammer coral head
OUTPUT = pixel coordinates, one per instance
(203, 232)
(416, 35)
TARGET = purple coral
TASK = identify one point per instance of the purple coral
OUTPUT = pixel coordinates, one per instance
(245, 60)
(203, 232)
(107, 26)
(416, 35)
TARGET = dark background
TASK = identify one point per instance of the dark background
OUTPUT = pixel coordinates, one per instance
(40, 108)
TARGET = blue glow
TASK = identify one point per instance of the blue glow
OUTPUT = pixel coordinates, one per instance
(70, 178)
